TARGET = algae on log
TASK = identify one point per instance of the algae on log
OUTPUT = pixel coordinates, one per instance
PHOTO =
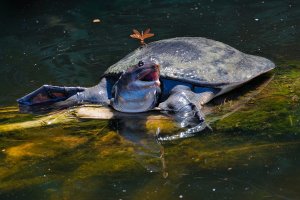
(73, 115)
(56, 118)
(275, 111)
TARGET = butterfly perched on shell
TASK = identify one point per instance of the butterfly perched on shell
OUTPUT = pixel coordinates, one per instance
(141, 36)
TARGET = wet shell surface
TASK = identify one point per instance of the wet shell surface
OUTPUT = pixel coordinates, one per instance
(197, 60)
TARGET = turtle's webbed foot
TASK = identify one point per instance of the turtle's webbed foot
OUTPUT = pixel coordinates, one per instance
(183, 105)
(48, 94)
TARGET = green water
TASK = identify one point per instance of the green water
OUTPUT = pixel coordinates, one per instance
(252, 152)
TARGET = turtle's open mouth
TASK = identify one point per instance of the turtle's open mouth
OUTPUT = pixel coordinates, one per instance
(150, 74)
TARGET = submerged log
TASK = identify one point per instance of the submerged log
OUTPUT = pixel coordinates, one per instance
(76, 113)
(97, 112)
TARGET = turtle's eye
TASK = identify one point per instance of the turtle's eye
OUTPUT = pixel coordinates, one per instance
(141, 63)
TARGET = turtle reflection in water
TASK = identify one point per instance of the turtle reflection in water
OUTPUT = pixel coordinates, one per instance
(177, 75)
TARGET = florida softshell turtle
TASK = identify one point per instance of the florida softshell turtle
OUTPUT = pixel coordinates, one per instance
(177, 75)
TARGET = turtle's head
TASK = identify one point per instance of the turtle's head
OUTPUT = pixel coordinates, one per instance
(138, 88)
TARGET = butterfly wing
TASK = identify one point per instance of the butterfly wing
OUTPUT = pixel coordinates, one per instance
(136, 34)
(148, 35)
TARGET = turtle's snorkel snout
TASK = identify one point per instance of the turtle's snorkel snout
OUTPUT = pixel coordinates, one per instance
(138, 89)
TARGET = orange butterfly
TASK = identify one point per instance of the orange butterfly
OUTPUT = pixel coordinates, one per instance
(141, 36)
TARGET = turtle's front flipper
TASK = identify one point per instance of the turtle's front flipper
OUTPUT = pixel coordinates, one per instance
(48, 94)
(185, 106)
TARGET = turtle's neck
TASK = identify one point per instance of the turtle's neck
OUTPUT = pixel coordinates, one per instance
(96, 94)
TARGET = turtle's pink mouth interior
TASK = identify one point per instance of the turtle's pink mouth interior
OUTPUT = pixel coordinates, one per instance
(151, 74)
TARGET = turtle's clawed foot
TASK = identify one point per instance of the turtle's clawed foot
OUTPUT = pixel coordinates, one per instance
(186, 115)
(181, 105)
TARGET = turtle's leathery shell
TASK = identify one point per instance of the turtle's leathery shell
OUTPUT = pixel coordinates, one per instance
(198, 60)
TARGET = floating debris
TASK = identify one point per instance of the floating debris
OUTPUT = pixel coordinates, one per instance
(96, 20)
(295, 98)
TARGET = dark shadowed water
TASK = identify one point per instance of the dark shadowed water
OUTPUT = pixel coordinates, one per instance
(251, 154)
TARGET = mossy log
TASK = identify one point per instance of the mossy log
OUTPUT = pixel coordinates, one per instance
(73, 115)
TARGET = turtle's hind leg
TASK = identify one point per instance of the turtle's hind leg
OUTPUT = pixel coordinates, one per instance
(48, 94)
